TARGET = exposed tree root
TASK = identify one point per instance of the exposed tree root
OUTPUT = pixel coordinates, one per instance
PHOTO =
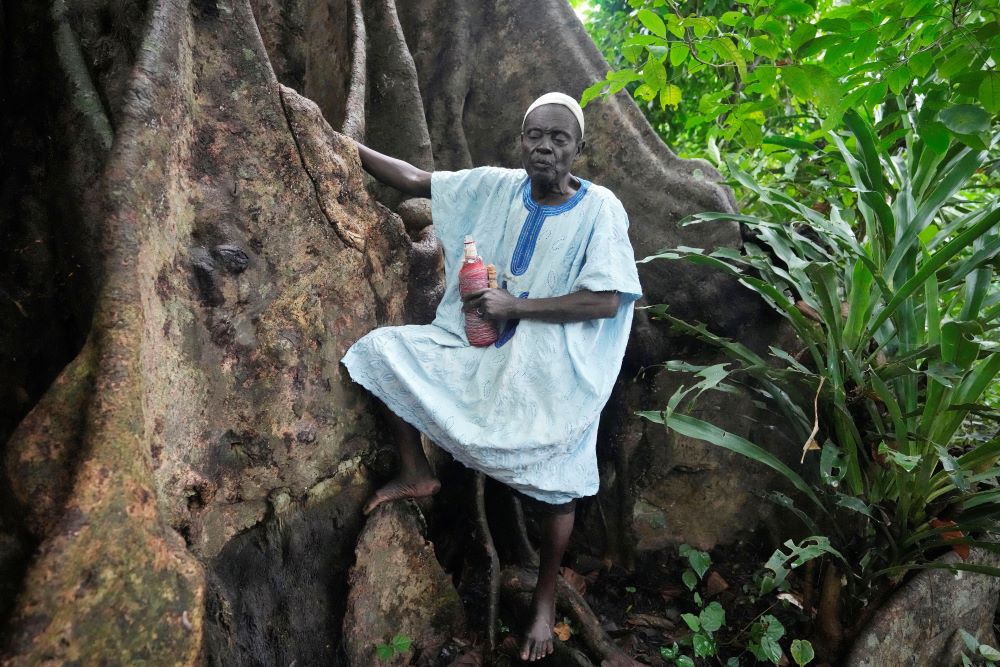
(526, 553)
(487, 538)
(517, 580)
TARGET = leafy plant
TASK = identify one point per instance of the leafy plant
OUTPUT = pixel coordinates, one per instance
(894, 308)
(710, 619)
(983, 654)
(398, 645)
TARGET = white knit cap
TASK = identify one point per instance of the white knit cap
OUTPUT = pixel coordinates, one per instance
(557, 98)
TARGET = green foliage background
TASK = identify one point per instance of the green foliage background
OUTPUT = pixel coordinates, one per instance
(861, 140)
(764, 81)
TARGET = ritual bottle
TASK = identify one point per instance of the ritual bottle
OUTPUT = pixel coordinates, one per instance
(471, 277)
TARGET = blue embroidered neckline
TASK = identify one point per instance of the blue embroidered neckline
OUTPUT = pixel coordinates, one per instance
(554, 209)
(528, 237)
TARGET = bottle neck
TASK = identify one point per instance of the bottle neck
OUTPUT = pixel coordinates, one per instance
(470, 252)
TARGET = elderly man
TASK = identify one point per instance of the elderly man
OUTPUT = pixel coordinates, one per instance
(524, 410)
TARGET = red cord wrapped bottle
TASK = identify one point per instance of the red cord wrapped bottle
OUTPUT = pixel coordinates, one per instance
(471, 277)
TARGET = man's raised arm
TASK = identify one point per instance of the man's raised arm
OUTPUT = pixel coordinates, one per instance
(395, 173)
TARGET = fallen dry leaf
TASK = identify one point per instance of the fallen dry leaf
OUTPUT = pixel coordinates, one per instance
(562, 631)
(961, 549)
(715, 584)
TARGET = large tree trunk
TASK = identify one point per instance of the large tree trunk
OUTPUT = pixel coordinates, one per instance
(188, 250)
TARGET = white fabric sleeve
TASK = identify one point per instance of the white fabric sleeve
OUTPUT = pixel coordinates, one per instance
(609, 261)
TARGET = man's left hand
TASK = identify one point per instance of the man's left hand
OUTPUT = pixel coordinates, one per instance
(492, 304)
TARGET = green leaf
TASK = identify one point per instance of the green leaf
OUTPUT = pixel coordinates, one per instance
(690, 579)
(700, 562)
(685, 661)
(654, 74)
(712, 617)
(384, 652)
(678, 54)
(591, 93)
(401, 643)
(797, 80)
(653, 22)
(773, 628)
(922, 62)
(704, 645)
(989, 91)
(692, 621)
(670, 95)
(898, 78)
(865, 47)
(770, 649)
(970, 641)
(989, 652)
(904, 461)
(795, 8)
(751, 133)
(762, 44)
(802, 34)
(731, 18)
(935, 135)
(802, 652)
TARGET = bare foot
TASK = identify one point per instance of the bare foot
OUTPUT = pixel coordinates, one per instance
(403, 487)
(537, 642)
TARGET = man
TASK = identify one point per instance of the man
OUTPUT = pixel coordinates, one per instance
(524, 410)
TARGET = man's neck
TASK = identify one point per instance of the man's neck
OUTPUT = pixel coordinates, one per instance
(555, 192)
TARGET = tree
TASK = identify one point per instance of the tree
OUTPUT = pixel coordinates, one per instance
(189, 247)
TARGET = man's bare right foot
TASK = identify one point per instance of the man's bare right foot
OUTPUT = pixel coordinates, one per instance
(402, 487)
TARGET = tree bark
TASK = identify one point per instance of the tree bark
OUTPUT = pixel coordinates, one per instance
(189, 246)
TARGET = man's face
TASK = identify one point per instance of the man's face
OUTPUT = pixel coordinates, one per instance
(550, 142)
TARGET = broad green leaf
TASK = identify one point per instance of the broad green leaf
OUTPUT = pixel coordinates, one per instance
(922, 62)
(699, 560)
(685, 661)
(802, 34)
(699, 24)
(712, 617)
(731, 18)
(771, 649)
(802, 652)
(692, 621)
(989, 652)
(645, 92)
(936, 136)
(592, 92)
(690, 579)
(751, 133)
(905, 461)
(670, 95)
(965, 119)
(653, 22)
(762, 44)
(865, 47)
(797, 80)
(795, 8)
(678, 53)
(654, 74)
(956, 64)
(384, 652)
(898, 78)
(704, 645)
(989, 91)
(402, 643)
